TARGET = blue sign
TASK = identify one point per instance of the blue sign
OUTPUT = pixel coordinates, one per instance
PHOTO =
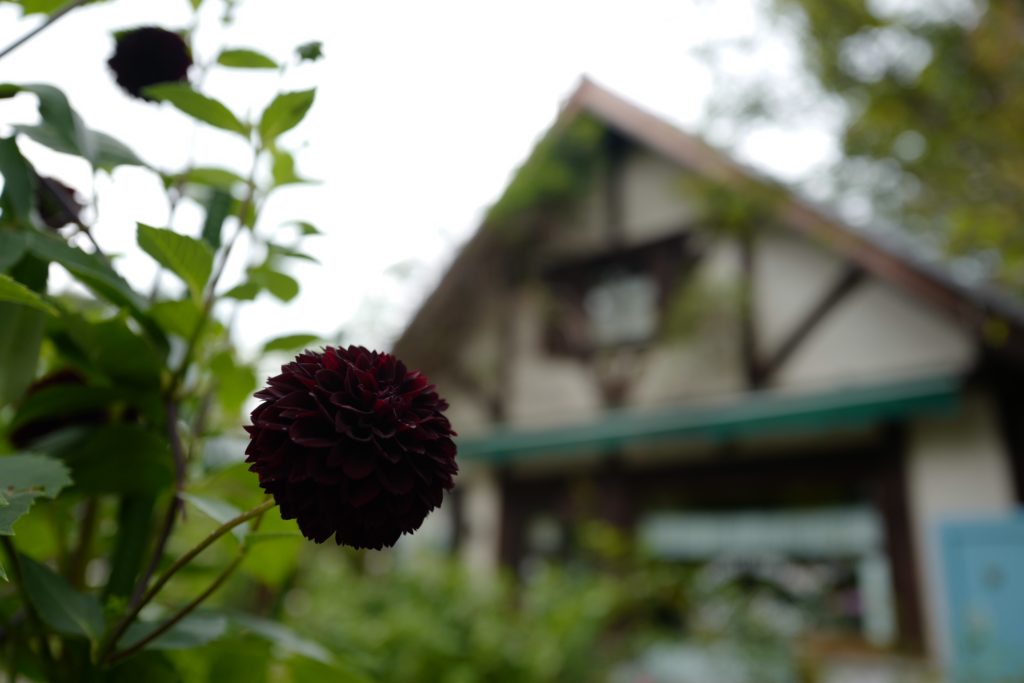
(983, 563)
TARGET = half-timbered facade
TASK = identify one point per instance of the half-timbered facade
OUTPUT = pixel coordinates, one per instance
(645, 332)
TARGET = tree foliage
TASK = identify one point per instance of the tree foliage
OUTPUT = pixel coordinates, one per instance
(933, 94)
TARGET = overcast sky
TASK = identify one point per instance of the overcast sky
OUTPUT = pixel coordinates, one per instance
(423, 111)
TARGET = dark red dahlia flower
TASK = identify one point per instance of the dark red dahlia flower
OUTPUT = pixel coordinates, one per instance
(352, 444)
(57, 203)
(147, 56)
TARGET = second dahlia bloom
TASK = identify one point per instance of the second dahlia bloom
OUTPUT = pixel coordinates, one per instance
(147, 56)
(353, 445)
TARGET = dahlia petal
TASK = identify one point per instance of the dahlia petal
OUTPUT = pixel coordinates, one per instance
(363, 492)
(358, 463)
(294, 399)
(396, 479)
(312, 431)
(329, 380)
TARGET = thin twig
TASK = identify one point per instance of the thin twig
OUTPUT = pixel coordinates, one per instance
(111, 641)
(50, 20)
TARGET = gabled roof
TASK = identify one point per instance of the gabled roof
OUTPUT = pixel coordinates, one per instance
(975, 307)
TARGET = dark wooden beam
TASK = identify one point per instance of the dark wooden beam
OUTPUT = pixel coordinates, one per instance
(890, 497)
(843, 285)
(747, 312)
(614, 187)
(1007, 385)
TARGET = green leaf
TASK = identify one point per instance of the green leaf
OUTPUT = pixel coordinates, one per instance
(89, 269)
(121, 459)
(276, 250)
(220, 178)
(291, 342)
(310, 52)
(235, 382)
(284, 113)
(21, 335)
(13, 291)
(218, 208)
(47, 136)
(189, 258)
(283, 170)
(245, 59)
(39, 6)
(265, 536)
(19, 182)
(64, 124)
(109, 152)
(285, 640)
(247, 291)
(240, 659)
(273, 562)
(3, 572)
(197, 105)
(219, 511)
(63, 401)
(177, 317)
(306, 228)
(198, 628)
(124, 356)
(64, 609)
(283, 287)
(38, 474)
(150, 666)
(12, 248)
(23, 478)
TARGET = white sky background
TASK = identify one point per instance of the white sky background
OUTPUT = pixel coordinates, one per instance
(423, 111)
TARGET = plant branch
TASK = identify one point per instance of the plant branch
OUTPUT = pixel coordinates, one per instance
(198, 600)
(30, 610)
(111, 641)
(180, 614)
(178, 453)
(210, 298)
(87, 531)
(50, 20)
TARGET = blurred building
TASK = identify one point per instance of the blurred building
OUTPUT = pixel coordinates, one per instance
(644, 332)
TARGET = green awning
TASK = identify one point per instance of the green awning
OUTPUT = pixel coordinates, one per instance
(757, 413)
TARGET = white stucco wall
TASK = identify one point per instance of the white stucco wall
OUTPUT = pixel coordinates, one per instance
(653, 203)
(544, 389)
(481, 519)
(957, 467)
(466, 412)
(876, 333)
(790, 275)
(703, 362)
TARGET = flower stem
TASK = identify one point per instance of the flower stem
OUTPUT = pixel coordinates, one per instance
(181, 613)
(187, 609)
(50, 20)
(111, 641)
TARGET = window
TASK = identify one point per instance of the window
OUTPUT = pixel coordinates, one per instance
(614, 299)
(622, 308)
